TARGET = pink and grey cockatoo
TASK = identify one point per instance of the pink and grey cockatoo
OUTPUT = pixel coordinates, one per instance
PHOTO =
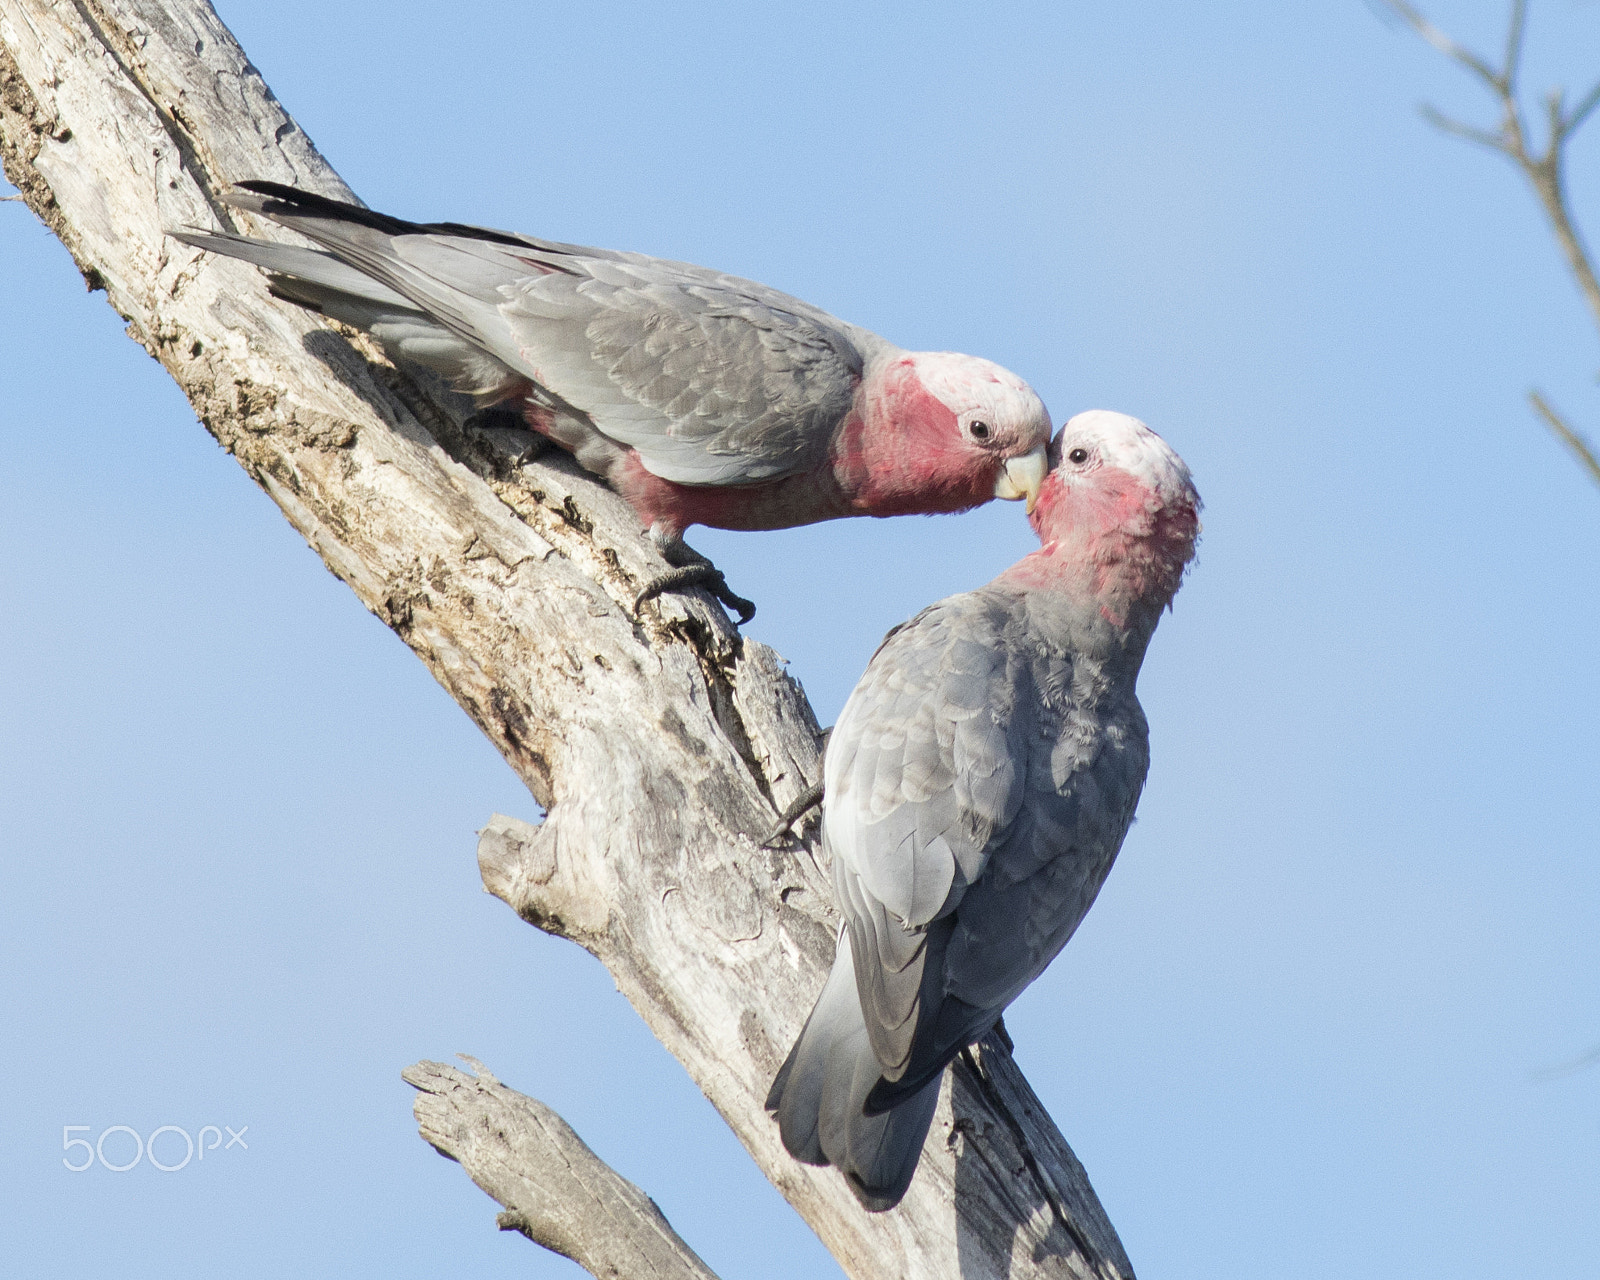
(700, 397)
(978, 786)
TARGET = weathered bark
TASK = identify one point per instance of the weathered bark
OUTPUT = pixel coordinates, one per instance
(555, 1190)
(661, 747)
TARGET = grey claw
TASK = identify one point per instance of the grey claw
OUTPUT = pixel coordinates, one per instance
(697, 575)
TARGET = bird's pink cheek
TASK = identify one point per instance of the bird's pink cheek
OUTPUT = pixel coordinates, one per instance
(1102, 501)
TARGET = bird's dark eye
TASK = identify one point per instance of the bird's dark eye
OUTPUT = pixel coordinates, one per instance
(979, 430)
(1078, 455)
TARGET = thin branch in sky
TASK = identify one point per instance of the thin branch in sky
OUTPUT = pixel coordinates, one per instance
(1519, 22)
(1581, 1063)
(1580, 113)
(1443, 43)
(1445, 124)
(1545, 172)
(1581, 448)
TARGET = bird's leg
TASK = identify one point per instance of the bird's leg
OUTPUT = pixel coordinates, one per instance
(807, 800)
(691, 570)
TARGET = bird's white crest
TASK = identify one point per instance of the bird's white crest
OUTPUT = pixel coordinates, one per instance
(971, 383)
(1125, 443)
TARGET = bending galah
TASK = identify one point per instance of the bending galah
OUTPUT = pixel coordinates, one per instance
(978, 786)
(700, 397)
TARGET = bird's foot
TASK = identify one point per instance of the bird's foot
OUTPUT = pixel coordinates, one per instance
(697, 575)
(803, 803)
(504, 433)
(693, 570)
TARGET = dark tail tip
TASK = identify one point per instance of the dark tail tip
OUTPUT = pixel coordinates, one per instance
(292, 202)
(873, 1199)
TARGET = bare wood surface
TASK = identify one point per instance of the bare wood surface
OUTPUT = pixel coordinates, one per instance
(662, 747)
(1545, 171)
(555, 1190)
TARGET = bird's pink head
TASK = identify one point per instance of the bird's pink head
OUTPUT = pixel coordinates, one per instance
(1118, 515)
(937, 431)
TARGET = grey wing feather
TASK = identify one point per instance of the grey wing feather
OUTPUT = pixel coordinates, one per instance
(712, 386)
(314, 266)
(936, 705)
(317, 279)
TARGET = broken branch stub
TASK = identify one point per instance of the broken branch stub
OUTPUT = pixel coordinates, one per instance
(555, 1190)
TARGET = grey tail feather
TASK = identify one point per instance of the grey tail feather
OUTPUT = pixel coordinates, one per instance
(314, 267)
(820, 1093)
(321, 282)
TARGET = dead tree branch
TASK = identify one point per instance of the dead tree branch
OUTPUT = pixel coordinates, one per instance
(555, 1190)
(661, 747)
(1544, 170)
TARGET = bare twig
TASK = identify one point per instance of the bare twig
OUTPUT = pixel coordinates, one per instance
(1519, 22)
(1445, 124)
(1581, 448)
(1443, 43)
(1545, 172)
(1586, 104)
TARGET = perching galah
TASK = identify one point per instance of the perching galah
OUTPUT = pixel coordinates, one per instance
(978, 786)
(700, 397)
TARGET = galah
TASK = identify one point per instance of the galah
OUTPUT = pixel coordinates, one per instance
(978, 786)
(701, 398)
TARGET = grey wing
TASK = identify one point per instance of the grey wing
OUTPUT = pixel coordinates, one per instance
(925, 771)
(972, 814)
(714, 380)
(1042, 874)
(710, 383)
(1042, 878)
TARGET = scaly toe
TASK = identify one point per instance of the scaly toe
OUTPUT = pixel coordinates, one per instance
(803, 803)
(705, 575)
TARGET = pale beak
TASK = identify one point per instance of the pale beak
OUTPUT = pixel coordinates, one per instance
(1022, 477)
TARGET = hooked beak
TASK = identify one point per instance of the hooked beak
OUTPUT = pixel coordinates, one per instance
(1022, 477)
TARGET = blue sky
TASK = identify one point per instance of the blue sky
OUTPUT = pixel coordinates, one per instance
(1303, 1030)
